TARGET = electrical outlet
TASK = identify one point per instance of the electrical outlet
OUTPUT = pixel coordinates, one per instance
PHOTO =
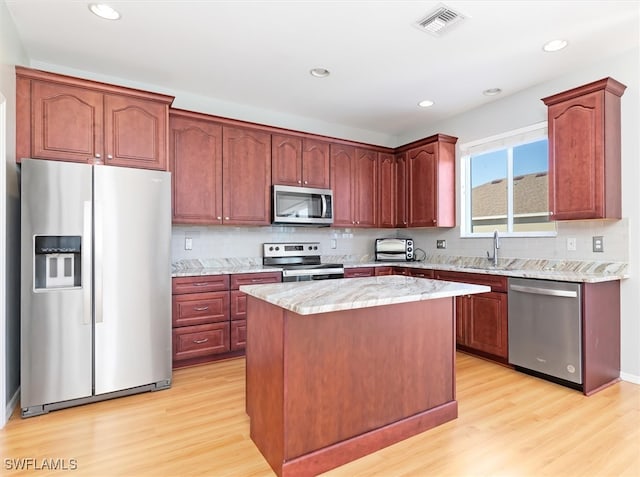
(188, 243)
(598, 243)
(571, 244)
(441, 244)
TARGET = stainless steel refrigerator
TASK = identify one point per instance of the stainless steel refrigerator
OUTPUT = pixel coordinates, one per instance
(95, 284)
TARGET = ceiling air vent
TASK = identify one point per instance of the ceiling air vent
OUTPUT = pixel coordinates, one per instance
(439, 21)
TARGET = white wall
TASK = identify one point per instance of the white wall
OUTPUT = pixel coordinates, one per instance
(11, 53)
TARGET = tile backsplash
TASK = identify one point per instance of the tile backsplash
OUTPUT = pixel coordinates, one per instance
(231, 242)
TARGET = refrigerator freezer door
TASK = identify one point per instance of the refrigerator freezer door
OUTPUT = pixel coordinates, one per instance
(56, 332)
(132, 278)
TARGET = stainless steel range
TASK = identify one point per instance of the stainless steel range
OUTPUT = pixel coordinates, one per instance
(300, 261)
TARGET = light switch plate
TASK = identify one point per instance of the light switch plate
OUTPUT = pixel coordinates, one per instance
(188, 243)
(598, 243)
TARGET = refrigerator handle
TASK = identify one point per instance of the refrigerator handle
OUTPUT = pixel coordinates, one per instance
(86, 264)
(97, 260)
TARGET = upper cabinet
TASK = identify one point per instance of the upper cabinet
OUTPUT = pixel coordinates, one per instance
(387, 196)
(221, 174)
(584, 151)
(246, 176)
(70, 119)
(195, 161)
(300, 161)
(354, 179)
(402, 191)
(431, 183)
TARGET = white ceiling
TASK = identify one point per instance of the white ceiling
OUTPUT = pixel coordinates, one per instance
(259, 53)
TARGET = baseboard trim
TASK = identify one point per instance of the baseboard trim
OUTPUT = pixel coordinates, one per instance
(631, 378)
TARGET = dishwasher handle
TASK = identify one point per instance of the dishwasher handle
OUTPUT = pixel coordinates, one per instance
(544, 291)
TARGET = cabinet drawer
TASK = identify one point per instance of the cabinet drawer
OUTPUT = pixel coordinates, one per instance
(200, 308)
(202, 340)
(379, 271)
(239, 279)
(238, 335)
(207, 283)
(496, 282)
(238, 307)
(421, 273)
(359, 272)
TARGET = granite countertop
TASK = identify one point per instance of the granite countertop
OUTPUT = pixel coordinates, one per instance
(559, 270)
(545, 269)
(306, 298)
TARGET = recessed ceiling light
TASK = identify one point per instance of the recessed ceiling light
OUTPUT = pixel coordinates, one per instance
(104, 11)
(320, 72)
(426, 103)
(555, 45)
(492, 91)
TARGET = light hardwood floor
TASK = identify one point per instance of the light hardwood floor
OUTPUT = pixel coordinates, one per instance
(509, 424)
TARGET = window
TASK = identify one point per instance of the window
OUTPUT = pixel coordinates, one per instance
(505, 184)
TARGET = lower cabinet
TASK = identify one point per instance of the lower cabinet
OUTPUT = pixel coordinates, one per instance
(359, 272)
(210, 316)
(481, 320)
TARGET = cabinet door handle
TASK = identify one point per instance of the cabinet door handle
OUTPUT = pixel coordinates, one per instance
(201, 284)
(200, 308)
(204, 340)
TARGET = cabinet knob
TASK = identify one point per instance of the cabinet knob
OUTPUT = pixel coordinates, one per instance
(109, 156)
(299, 182)
(219, 218)
(226, 218)
(97, 156)
(305, 182)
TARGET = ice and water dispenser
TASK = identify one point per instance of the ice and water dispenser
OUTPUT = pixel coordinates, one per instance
(57, 261)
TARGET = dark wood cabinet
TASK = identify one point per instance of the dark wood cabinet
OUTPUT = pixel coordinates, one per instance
(300, 161)
(387, 195)
(195, 161)
(199, 343)
(238, 310)
(420, 273)
(354, 179)
(431, 183)
(482, 319)
(380, 271)
(70, 119)
(359, 272)
(342, 158)
(201, 326)
(401, 191)
(246, 176)
(584, 151)
(210, 316)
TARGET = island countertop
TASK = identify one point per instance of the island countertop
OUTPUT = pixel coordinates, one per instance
(306, 298)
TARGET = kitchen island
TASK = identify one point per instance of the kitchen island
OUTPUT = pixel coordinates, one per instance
(338, 369)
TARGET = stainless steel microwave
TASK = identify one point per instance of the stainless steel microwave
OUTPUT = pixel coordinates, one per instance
(302, 206)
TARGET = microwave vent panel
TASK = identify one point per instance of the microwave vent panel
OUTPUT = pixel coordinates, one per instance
(439, 21)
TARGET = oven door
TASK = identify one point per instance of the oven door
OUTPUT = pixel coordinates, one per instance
(302, 205)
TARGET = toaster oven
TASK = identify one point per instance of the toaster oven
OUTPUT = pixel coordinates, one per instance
(394, 250)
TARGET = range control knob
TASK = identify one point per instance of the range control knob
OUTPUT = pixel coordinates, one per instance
(409, 249)
(315, 247)
(277, 248)
(271, 249)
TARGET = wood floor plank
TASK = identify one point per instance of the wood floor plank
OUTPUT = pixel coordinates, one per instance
(509, 424)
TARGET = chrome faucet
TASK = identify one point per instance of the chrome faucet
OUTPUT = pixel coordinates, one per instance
(496, 246)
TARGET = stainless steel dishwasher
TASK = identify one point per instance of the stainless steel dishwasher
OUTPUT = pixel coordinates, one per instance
(545, 329)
